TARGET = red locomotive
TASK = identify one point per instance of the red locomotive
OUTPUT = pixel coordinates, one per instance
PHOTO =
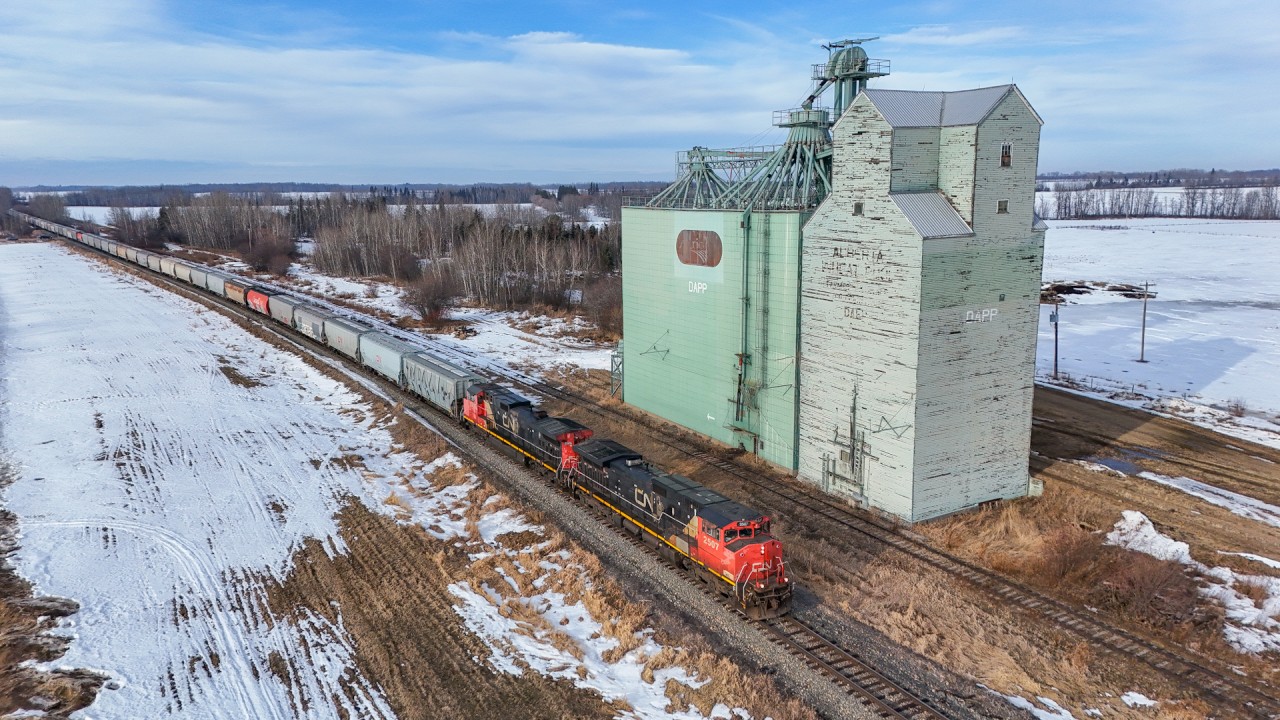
(725, 543)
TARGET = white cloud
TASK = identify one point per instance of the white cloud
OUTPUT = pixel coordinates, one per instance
(1182, 84)
(942, 35)
(195, 98)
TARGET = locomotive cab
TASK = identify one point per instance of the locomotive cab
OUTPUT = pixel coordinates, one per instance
(475, 406)
(558, 439)
(741, 551)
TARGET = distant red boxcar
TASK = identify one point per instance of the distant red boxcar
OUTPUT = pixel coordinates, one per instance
(259, 301)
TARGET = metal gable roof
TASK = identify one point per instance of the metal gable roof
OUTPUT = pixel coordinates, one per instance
(931, 214)
(913, 108)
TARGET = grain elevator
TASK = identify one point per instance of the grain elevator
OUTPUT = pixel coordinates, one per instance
(858, 304)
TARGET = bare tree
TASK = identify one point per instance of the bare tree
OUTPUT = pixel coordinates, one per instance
(48, 206)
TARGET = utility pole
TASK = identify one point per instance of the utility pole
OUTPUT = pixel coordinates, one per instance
(1142, 348)
(1053, 318)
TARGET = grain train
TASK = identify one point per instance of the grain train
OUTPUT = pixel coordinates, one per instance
(724, 543)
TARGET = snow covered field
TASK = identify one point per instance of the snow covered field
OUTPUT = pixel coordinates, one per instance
(100, 215)
(1213, 329)
(544, 348)
(154, 483)
(169, 465)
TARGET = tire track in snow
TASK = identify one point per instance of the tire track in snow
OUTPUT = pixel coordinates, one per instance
(200, 573)
(121, 406)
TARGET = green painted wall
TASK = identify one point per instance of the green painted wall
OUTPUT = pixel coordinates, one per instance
(683, 325)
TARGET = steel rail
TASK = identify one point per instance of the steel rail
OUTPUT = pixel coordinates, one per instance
(1188, 671)
(858, 679)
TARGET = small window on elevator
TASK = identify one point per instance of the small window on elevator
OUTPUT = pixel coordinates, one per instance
(857, 208)
(1006, 155)
(1002, 207)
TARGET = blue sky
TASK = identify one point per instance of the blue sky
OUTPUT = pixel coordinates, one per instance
(149, 91)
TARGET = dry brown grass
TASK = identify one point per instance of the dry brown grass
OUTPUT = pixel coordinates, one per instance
(59, 692)
(728, 684)
(1056, 542)
(238, 378)
(583, 578)
(400, 504)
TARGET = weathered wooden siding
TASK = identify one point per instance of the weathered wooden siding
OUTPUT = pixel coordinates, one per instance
(859, 312)
(978, 329)
(918, 355)
(977, 350)
(914, 160)
(956, 158)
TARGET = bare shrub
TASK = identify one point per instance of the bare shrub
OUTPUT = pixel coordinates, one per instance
(1068, 552)
(49, 207)
(603, 302)
(273, 254)
(366, 241)
(1157, 592)
(222, 222)
(1237, 407)
(432, 295)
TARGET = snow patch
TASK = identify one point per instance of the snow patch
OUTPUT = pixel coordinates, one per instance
(1050, 711)
(1241, 505)
(1135, 532)
(518, 645)
(1274, 564)
(1137, 699)
(1249, 627)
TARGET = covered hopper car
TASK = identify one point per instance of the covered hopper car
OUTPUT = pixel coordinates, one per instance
(723, 542)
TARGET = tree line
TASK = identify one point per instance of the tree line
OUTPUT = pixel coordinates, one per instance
(278, 193)
(505, 256)
(1194, 201)
(1179, 177)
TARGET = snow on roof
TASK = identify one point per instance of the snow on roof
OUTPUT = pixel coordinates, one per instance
(916, 108)
(931, 214)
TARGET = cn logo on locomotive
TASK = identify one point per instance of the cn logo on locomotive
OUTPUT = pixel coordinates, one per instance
(649, 501)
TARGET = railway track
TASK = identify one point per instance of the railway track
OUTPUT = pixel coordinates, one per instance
(1202, 674)
(881, 695)
(1205, 675)
(887, 698)
(1195, 465)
